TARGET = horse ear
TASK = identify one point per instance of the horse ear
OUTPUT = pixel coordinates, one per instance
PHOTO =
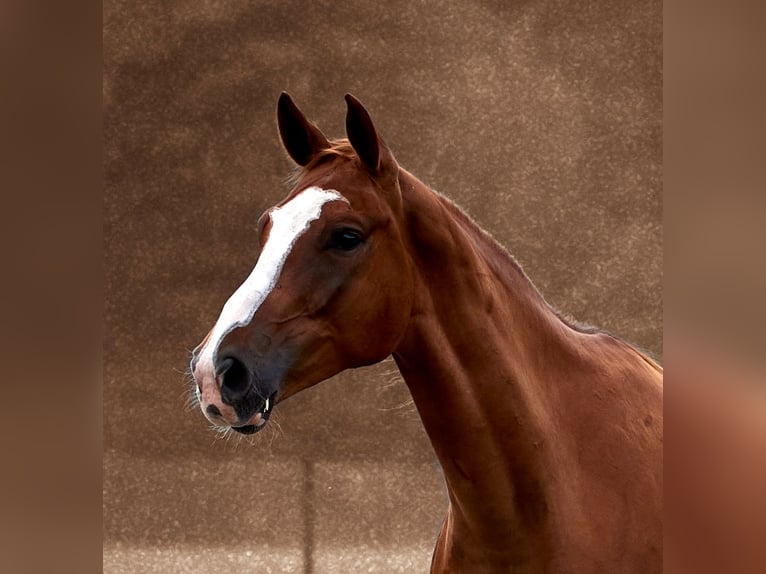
(362, 134)
(301, 138)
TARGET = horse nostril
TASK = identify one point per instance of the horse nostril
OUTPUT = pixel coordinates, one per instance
(235, 379)
(224, 366)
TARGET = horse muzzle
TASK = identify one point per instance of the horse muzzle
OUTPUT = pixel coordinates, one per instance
(253, 424)
(232, 397)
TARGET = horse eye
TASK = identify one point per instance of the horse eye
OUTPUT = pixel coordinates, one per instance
(345, 239)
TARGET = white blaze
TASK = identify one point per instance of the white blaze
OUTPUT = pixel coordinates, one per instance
(288, 223)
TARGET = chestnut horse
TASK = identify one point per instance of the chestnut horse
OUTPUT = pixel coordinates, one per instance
(549, 433)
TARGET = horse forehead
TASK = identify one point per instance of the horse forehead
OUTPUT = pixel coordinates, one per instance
(290, 219)
(355, 196)
(303, 207)
(341, 175)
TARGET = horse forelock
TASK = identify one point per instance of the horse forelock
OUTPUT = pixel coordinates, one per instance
(339, 149)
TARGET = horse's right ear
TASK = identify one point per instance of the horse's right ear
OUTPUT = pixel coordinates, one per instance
(362, 133)
(301, 138)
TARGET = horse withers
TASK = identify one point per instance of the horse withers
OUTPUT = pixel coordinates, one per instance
(549, 434)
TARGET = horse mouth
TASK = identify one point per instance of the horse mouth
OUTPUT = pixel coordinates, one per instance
(259, 417)
(248, 429)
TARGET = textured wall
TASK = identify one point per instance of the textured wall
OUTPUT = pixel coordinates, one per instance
(541, 118)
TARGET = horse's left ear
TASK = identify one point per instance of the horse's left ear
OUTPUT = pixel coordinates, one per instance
(362, 134)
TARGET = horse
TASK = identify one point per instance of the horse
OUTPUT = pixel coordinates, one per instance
(549, 433)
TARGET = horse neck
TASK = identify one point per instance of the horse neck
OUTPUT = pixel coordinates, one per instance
(480, 358)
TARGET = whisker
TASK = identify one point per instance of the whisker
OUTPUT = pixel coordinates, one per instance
(191, 403)
(222, 432)
(276, 430)
(189, 395)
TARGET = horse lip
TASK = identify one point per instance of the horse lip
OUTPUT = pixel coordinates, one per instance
(247, 429)
(253, 425)
(258, 419)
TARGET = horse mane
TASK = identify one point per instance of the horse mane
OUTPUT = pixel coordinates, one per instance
(502, 260)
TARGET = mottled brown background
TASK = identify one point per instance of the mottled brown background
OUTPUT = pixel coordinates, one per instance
(541, 118)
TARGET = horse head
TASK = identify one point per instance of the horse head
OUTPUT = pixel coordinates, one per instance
(332, 287)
